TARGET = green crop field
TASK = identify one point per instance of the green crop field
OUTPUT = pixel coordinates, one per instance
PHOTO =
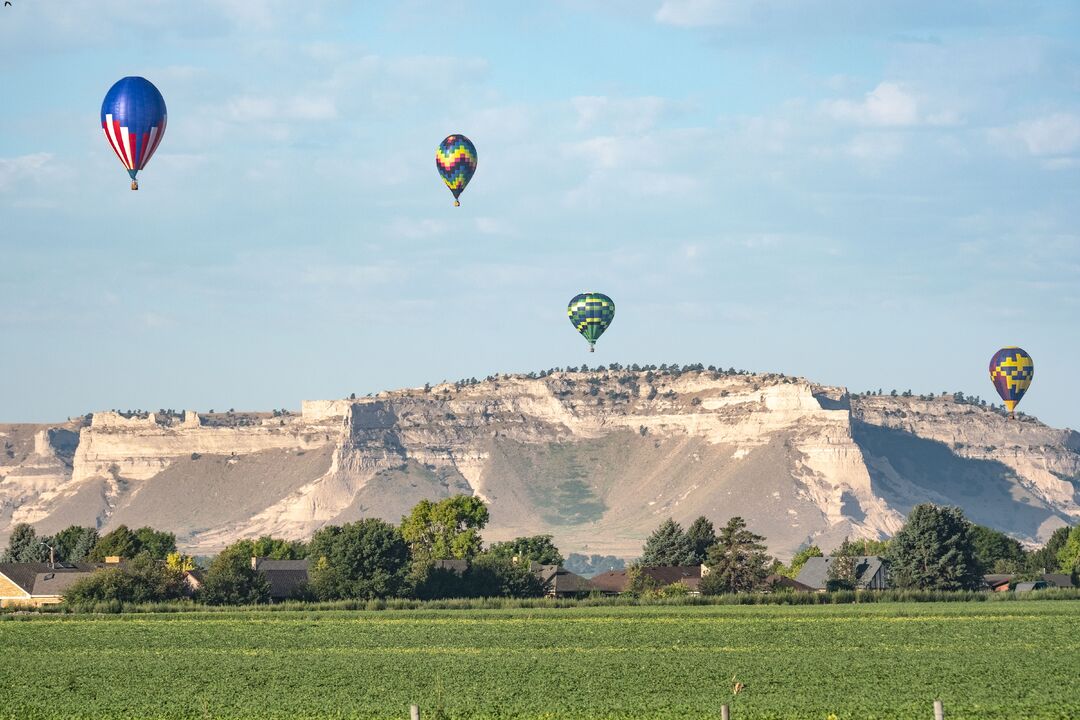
(985, 660)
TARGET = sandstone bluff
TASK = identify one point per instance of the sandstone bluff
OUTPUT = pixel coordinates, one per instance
(595, 458)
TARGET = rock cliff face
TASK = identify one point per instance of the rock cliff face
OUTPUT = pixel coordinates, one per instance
(597, 459)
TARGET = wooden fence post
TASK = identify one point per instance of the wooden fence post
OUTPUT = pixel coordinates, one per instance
(939, 710)
(414, 712)
(725, 713)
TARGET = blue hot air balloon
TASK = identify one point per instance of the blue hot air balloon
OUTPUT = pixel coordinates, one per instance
(133, 118)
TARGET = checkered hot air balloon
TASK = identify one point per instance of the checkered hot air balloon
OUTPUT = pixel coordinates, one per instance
(133, 118)
(1011, 371)
(455, 159)
(591, 313)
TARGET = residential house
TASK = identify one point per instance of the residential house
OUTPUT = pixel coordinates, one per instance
(1001, 582)
(1029, 586)
(39, 583)
(287, 577)
(560, 582)
(870, 573)
(782, 583)
(614, 582)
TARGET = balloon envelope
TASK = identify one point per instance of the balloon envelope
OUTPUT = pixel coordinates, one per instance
(591, 314)
(455, 159)
(133, 117)
(1011, 371)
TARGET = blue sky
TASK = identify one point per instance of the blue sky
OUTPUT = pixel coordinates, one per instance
(865, 194)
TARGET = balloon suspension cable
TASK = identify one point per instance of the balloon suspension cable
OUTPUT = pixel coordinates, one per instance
(134, 184)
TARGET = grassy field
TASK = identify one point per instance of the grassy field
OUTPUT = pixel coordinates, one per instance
(985, 660)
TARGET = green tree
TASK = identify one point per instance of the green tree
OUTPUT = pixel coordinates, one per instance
(267, 547)
(668, 545)
(737, 562)
(446, 529)
(841, 573)
(121, 542)
(1045, 559)
(156, 543)
(701, 535)
(1069, 555)
(862, 547)
(25, 545)
(639, 583)
(74, 543)
(230, 580)
(995, 550)
(365, 559)
(142, 580)
(535, 548)
(492, 576)
(800, 559)
(934, 551)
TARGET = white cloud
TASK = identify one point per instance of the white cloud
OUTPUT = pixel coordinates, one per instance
(1053, 136)
(623, 115)
(886, 105)
(416, 229)
(700, 13)
(876, 146)
(37, 168)
(253, 108)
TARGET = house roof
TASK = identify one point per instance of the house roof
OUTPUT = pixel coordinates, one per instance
(689, 575)
(560, 580)
(611, 581)
(284, 575)
(453, 564)
(1058, 580)
(619, 580)
(1027, 586)
(815, 573)
(30, 577)
(779, 582)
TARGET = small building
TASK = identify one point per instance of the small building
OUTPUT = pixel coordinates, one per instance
(560, 582)
(782, 583)
(1003, 582)
(1032, 585)
(614, 582)
(41, 583)
(997, 582)
(870, 573)
(286, 577)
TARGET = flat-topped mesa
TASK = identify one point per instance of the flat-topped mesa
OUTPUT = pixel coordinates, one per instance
(596, 458)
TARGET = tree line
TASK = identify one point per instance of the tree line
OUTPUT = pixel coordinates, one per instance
(937, 549)
(437, 552)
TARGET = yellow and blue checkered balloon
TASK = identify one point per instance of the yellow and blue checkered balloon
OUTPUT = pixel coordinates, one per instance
(1011, 371)
(455, 159)
(591, 313)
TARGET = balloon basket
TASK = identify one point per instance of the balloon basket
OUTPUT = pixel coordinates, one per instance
(134, 185)
(592, 348)
(457, 203)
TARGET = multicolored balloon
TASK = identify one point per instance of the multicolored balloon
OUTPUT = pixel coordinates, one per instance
(455, 159)
(1011, 371)
(591, 313)
(133, 118)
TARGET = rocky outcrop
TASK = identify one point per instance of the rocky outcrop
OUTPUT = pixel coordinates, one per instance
(595, 458)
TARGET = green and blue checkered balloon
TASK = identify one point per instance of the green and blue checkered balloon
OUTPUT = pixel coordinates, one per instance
(591, 313)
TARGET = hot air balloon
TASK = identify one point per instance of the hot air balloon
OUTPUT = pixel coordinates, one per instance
(1011, 371)
(455, 159)
(133, 118)
(591, 313)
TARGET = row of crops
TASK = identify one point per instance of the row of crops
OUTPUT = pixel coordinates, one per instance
(985, 660)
